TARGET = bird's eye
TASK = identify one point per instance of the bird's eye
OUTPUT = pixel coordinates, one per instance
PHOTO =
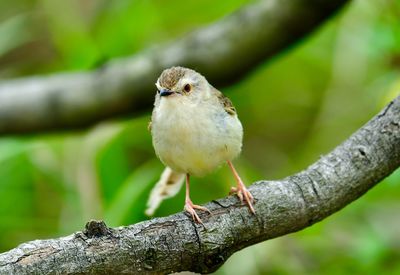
(187, 88)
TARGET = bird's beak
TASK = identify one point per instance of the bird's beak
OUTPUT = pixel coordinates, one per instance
(165, 92)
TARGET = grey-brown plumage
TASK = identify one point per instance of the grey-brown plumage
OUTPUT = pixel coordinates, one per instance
(226, 102)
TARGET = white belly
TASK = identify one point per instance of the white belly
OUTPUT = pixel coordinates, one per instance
(194, 140)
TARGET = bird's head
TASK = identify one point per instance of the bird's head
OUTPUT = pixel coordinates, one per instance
(182, 82)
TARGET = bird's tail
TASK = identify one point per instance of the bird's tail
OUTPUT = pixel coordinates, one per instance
(168, 186)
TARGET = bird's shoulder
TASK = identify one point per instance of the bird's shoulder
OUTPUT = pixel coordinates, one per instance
(225, 102)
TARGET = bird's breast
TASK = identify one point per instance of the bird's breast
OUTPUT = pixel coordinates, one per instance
(195, 139)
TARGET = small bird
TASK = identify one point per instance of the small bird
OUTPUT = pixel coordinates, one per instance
(194, 130)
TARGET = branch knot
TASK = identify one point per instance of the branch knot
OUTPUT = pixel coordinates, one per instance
(95, 228)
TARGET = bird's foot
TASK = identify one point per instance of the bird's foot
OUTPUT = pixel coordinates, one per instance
(190, 207)
(244, 195)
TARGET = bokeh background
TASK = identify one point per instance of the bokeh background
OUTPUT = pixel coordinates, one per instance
(294, 108)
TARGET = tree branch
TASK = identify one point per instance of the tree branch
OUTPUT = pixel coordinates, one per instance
(223, 52)
(175, 243)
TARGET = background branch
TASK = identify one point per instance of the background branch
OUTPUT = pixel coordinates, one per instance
(223, 52)
(175, 243)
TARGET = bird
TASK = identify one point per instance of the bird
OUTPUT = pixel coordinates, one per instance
(195, 129)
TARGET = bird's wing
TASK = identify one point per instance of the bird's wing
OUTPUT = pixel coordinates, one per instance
(168, 186)
(225, 102)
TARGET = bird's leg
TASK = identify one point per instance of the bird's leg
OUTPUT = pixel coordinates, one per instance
(241, 190)
(190, 207)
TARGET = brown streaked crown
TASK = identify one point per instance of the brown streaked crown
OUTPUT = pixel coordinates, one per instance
(169, 77)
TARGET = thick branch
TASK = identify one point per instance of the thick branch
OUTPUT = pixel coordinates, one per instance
(223, 52)
(175, 243)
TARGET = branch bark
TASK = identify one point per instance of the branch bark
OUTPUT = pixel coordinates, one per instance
(223, 52)
(175, 243)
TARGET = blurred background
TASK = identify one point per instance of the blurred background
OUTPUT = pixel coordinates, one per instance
(294, 108)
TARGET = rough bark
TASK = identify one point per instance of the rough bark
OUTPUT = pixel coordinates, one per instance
(175, 243)
(223, 52)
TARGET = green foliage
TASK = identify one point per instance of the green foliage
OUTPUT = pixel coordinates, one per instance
(293, 108)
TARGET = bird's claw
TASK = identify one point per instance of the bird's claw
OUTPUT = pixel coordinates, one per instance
(244, 196)
(190, 208)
